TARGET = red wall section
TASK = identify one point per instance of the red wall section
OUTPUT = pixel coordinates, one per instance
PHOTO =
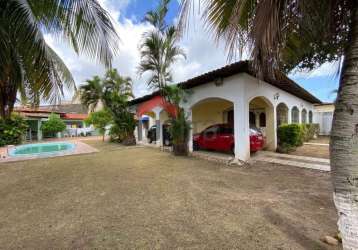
(147, 106)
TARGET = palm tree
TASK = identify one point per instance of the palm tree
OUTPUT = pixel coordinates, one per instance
(28, 65)
(287, 35)
(114, 82)
(158, 49)
(91, 93)
(98, 91)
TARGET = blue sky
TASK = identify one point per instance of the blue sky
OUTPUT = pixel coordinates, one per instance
(321, 84)
(136, 9)
(203, 54)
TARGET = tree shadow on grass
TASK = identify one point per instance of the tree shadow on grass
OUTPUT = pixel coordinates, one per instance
(291, 229)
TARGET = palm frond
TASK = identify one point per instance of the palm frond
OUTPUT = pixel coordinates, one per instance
(83, 23)
(280, 34)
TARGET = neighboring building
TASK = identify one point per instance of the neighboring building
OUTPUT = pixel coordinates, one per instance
(323, 115)
(232, 94)
(72, 114)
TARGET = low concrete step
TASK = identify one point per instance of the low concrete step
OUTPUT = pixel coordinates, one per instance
(294, 160)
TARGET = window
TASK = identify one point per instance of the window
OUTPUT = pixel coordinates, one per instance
(211, 131)
(226, 130)
(304, 116)
(281, 114)
(310, 117)
(295, 115)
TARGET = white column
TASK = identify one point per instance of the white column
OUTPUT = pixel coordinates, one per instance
(159, 134)
(300, 116)
(289, 116)
(190, 139)
(274, 129)
(257, 118)
(241, 130)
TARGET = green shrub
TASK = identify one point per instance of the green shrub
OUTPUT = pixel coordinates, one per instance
(179, 131)
(12, 130)
(100, 120)
(291, 135)
(312, 130)
(53, 125)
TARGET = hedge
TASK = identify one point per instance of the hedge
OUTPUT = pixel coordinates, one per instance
(293, 135)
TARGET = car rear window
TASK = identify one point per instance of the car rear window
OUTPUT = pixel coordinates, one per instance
(226, 130)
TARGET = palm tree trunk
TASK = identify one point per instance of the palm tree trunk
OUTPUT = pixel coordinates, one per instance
(7, 99)
(344, 143)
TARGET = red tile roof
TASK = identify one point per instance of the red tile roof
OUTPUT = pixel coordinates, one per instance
(74, 116)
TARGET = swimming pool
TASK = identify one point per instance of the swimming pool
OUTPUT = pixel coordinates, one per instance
(42, 149)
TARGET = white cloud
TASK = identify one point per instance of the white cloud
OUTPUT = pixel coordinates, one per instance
(202, 53)
(326, 69)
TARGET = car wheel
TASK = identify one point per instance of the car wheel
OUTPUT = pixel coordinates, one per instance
(232, 149)
(196, 146)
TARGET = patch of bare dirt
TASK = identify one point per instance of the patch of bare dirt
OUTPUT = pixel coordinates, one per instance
(320, 151)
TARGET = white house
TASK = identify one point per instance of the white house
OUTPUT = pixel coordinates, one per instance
(233, 94)
(323, 115)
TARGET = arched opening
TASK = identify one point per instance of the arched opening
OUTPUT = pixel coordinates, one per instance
(164, 124)
(310, 116)
(295, 115)
(281, 114)
(213, 125)
(304, 116)
(147, 120)
(264, 113)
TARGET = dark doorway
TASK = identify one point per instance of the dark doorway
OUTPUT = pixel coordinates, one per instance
(252, 118)
(230, 117)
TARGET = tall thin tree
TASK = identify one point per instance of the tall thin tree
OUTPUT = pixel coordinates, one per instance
(159, 49)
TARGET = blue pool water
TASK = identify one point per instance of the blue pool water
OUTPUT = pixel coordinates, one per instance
(52, 148)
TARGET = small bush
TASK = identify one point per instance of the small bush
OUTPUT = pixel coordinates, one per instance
(53, 125)
(12, 130)
(100, 120)
(312, 130)
(290, 134)
(294, 135)
(179, 131)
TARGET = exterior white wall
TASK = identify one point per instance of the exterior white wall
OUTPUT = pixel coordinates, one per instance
(323, 115)
(240, 89)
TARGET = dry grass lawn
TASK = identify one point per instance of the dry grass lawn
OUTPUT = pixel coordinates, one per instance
(320, 151)
(142, 198)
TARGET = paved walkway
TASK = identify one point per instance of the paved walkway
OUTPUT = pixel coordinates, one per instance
(293, 160)
(263, 156)
(214, 156)
(316, 143)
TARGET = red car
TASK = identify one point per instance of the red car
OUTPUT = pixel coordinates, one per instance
(220, 137)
